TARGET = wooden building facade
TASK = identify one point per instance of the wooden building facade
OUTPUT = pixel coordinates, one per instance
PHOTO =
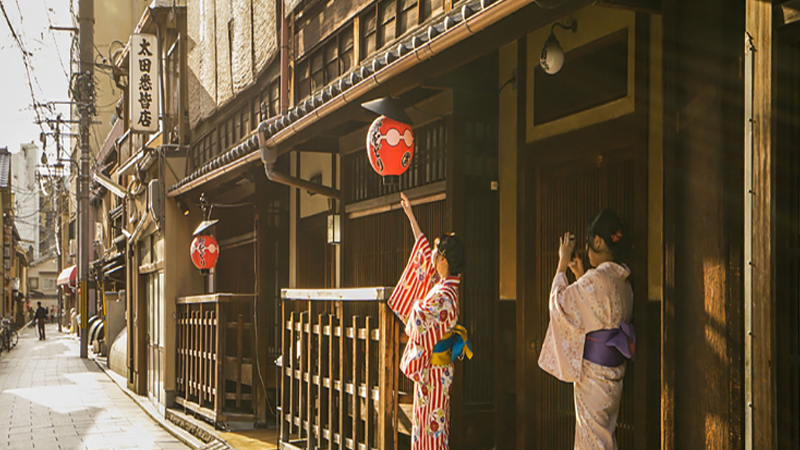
(681, 116)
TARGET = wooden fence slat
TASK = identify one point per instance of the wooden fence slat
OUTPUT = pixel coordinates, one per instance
(310, 397)
(220, 352)
(370, 366)
(239, 345)
(356, 407)
(342, 396)
(330, 339)
(322, 372)
(291, 365)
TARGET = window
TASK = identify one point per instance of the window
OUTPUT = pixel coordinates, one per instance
(346, 40)
(33, 282)
(387, 11)
(368, 33)
(48, 284)
(407, 16)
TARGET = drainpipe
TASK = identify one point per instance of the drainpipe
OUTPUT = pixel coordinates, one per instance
(269, 155)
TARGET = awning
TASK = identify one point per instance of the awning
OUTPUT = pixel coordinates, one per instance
(67, 277)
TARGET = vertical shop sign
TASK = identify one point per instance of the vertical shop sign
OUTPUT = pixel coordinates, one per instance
(143, 83)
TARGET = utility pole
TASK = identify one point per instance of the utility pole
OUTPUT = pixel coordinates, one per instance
(59, 185)
(86, 109)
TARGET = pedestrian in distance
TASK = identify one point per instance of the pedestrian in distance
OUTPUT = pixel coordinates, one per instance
(590, 338)
(426, 300)
(41, 316)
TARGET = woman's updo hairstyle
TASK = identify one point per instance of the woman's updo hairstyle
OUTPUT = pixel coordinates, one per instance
(613, 231)
(450, 247)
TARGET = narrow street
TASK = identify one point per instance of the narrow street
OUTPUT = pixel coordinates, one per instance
(52, 399)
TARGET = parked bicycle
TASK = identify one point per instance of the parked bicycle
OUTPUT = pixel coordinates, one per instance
(8, 334)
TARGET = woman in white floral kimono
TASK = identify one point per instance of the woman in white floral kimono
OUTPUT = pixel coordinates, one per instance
(590, 338)
(426, 300)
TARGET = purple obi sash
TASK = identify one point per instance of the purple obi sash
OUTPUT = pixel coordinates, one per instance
(610, 348)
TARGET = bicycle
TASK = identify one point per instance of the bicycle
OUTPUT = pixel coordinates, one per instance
(9, 334)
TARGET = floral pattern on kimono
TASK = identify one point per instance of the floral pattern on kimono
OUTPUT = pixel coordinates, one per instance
(429, 308)
(600, 299)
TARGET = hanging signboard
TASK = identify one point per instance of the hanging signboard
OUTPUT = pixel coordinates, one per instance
(143, 83)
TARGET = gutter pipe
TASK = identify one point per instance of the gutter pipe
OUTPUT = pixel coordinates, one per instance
(423, 48)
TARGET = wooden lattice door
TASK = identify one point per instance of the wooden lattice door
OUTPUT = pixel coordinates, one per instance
(564, 197)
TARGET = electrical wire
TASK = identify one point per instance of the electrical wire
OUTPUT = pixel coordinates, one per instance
(25, 61)
(53, 35)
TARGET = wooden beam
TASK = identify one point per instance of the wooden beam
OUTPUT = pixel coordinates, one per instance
(759, 23)
(646, 6)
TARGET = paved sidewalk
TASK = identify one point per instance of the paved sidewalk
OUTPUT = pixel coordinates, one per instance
(52, 399)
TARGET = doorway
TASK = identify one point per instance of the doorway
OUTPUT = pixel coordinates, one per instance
(562, 191)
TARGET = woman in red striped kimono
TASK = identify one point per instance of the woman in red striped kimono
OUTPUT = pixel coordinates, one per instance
(426, 300)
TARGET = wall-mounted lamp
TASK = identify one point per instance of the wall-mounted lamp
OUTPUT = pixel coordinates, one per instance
(316, 179)
(334, 229)
(552, 57)
(183, 207)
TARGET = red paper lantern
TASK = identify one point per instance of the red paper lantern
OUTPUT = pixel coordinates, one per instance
(205, 252)
(390, 148)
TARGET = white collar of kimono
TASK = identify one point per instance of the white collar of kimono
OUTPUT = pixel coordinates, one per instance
(612, 268)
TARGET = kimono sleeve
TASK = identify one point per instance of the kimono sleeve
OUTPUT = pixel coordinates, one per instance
(562, 351)
(441, 316)
(415, 283)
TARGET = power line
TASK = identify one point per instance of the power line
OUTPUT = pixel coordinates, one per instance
(25, 62)
(53, 35)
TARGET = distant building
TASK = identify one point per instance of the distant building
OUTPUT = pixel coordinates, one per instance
(42, 276)
(27, 198)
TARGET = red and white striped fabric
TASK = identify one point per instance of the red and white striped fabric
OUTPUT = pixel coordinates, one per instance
(429, 308)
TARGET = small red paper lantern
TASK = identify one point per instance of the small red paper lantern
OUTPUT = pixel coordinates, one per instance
(205, 252)
(390, 148)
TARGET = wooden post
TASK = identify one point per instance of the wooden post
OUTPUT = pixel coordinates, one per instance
(342, 382)
(368, 413)
(285, 358)
(759, 18)
(387, 401)
(302, 387)
(222, 318)
(703, 190)
(356, 408)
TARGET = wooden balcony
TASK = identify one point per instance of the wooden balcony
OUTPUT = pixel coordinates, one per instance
(215, 364)
(341, 384)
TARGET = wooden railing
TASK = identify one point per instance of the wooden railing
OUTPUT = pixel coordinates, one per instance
(215, 356)
(339, 370)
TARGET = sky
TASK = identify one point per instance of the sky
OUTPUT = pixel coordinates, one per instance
(48, 68)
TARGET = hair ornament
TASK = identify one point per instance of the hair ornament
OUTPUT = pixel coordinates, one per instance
(616, 236)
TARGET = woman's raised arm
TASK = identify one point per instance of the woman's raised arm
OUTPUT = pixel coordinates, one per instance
(410, 214)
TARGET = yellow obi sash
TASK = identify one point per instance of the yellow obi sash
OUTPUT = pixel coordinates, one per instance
(453, 345)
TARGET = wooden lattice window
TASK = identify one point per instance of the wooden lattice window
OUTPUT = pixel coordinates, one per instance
(317, 71)
(407, 15)
(245, 121)
(429, 8)
(224, 135)
(369, 35)
(346, 49)
(302, 81)
(215, 144)
(387, 13)
(274, 98)
(331, 58)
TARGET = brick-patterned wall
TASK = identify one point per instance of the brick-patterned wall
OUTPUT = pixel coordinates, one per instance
(230, 44)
